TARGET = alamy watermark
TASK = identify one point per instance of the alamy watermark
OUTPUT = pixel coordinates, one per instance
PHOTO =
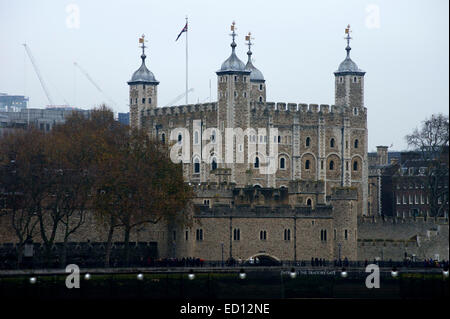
(256, 146)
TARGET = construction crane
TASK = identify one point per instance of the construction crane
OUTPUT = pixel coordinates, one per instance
(179, 97)
(38, 73)
(93, 82)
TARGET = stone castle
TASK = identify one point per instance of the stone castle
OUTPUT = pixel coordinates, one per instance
(309, 207)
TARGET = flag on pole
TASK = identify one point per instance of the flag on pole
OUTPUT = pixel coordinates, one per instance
(141, 40)
(183, 30)
(347, 30)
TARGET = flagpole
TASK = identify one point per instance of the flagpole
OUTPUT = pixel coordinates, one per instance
(187, 30)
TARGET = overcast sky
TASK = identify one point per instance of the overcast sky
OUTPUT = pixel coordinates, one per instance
(402, 45)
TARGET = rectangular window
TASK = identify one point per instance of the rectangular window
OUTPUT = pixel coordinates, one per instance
(410, 199)
(199, 234)
(398, 200)
(186, 235)
(346, 234)
(335, 234)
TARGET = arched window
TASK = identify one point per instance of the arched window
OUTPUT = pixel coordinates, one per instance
(256, 164)
(196, 165)
(309, 202)
(214, 164)
(308, 141)
(356, 143)
(332, 142)
(307, 164)
(282, 163)
(260, 87)
(331, 165)
(260, 99)
(143, 100)
(287, 234)
(180, 137)
(196, 137)
(355, 165)
(163, 138)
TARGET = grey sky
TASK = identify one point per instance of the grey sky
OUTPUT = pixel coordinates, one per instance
(298, 46)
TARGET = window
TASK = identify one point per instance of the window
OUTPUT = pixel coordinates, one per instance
(143, 86)
(213, 164)
(416, 199)
(398, 200)
(236, 234)
(346, 166)
(245, 94)
(149, 100)
(341, 79)
(335, 234)
(180, 137)
(287, 234)
(323, 235)
(356, 144)
(131, 101)
(346, 144)
(206, 202)
(163, 138)
(186, 235)
(263, 235)
(196, 165)
(332, 142)
(309, 202)
(355, 165)
(279, 139)
(346, 234)
(143, 100)
(213, 137)
(256, 164)
(235, 94)
(235, 78)
(282, 163)
(260, 87)
(404, 199)
(260, 99)
(355, 79)
(331, 166)
(355, 111)
(321, 164)
(308, 141)
(199, 234)
(307, 164)
(196, 135)
(245, 79)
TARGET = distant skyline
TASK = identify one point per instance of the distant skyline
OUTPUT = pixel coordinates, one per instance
(402, 45)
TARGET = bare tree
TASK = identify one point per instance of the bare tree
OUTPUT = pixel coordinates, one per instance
(431, 140)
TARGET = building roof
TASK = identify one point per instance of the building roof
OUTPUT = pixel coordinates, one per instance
(255, 75)
(143, 75)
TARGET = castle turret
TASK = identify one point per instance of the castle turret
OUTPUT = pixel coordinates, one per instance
(143, 90)
(233, 94)
(349, 81)
(257, 82)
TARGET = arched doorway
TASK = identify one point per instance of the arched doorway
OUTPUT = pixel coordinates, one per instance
(262, 259)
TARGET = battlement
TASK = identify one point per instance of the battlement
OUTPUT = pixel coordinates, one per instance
(402, 220)
(260, 211)
(254, 106)
(301, 107)
(181, 109)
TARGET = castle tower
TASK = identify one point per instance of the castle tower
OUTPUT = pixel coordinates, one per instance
(257, 82)
(349, 81)
(233, 86)
(143, 90)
